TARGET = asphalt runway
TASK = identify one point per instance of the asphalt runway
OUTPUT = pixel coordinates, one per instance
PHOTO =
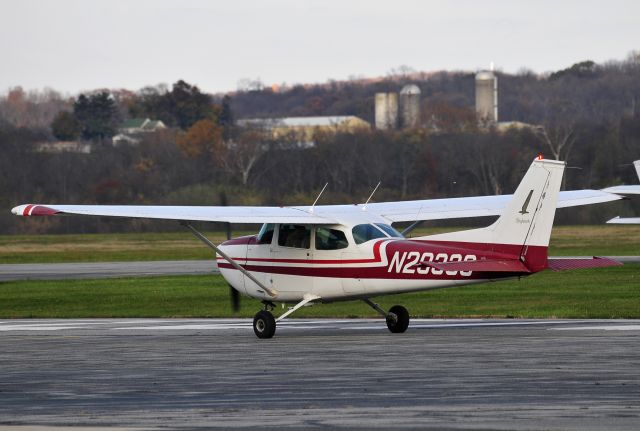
(68, 271)
(321, 374)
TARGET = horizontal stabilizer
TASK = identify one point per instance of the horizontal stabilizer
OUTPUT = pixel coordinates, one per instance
(566, 263)
(488, 265)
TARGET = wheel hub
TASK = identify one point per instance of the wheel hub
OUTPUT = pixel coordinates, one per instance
(392, 318)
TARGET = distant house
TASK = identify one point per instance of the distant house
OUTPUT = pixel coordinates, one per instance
(306, 127)
(131, 131)
(63, 147)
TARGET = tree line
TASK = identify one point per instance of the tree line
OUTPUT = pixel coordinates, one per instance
(587, 115)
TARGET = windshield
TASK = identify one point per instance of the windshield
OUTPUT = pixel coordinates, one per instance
(266, 233)
(389, 230)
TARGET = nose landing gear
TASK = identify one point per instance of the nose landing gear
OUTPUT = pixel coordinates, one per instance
(264, 324)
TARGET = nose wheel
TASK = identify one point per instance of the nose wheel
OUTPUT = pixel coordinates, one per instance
(264, 324)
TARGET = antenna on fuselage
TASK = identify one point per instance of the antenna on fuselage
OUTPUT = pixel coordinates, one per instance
(319, 194)
(371, 195)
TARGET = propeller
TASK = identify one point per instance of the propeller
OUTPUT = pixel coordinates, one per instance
(235, 299)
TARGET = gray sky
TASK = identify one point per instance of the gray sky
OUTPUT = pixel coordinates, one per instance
(75, 45)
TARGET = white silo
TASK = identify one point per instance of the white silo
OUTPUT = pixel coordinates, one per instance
(409, 106)
(386, 111)
(487, 97)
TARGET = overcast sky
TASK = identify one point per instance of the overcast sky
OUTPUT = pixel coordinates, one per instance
(79, 45)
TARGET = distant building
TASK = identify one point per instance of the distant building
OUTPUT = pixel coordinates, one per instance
(386, 107)
(487, 97)
(63, 147)
(132, 130)
(410, 106)
(306, 127)
(503, 126)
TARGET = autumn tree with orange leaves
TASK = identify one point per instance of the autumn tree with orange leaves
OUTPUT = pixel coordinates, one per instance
(203, 139)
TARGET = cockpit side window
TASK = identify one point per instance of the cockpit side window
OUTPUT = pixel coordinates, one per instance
(330, 239)
(389, 230)
(265, 236)
(294, 235)
(366, 232)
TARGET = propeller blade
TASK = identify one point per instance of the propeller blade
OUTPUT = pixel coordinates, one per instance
(235, 299)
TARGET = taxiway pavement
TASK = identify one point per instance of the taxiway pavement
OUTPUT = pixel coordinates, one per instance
(315, 374)
(68, 271)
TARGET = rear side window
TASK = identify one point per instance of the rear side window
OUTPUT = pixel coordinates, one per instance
(366, 232)
(294, 235)
(330, 239)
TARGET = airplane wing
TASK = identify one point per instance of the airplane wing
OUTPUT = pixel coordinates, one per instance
(430, 209)
(623, 190)
(627, 190)
(624, 220)
(231, 214)
(481, 206)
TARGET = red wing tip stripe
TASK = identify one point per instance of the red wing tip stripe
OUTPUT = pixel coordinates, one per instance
(38, 210)
(26, 210)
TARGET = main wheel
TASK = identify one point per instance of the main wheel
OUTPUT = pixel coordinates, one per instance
(264, 325)
(398, 319)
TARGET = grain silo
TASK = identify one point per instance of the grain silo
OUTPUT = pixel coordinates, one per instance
(409, 106)
(487, 97)
(386, 111)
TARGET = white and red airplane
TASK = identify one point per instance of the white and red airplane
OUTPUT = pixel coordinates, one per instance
(332, 253)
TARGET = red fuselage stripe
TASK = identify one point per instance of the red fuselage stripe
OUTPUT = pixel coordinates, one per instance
(376, 272)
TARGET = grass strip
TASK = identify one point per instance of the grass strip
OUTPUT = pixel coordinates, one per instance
(605, 240)
(594, 293)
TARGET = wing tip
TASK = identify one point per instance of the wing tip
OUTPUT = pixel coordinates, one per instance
(29, 210)
(614, 220)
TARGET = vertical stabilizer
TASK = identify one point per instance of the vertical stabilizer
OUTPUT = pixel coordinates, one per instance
(637, 165)
(528, 218)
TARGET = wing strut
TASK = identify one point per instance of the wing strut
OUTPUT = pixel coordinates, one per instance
(271, 292)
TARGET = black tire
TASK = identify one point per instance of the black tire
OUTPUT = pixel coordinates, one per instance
(264, 325)
(398, 319)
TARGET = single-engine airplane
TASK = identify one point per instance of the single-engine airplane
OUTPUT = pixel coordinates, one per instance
(329, 253)
(626, 190)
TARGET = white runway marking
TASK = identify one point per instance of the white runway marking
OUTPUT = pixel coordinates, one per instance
(602, 328)
(473, 324)
(166, 325)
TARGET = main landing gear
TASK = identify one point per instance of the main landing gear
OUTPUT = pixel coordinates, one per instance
(264, 324)
(397, 318)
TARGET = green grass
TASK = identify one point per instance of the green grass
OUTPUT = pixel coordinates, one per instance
(596, 293)
(605, 240)
(105, 247)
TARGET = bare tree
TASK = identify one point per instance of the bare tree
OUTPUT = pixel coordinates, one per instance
(244, 151)
(558, 131)
(559, 138)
